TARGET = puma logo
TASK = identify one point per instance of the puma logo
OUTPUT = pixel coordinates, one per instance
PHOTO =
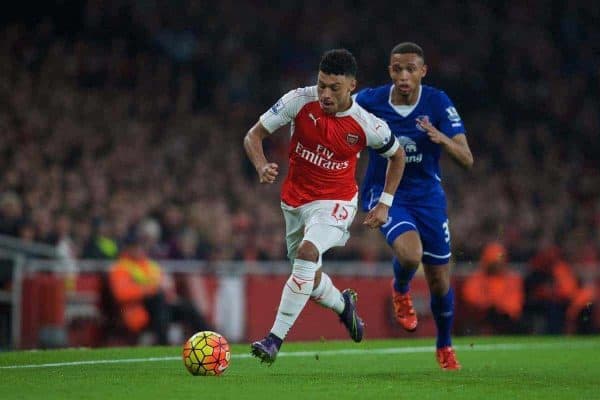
(313, 118)
(298, 283)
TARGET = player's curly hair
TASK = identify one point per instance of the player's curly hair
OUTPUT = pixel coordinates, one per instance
(408, 48)
(338, 62)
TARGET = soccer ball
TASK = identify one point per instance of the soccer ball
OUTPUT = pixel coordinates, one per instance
(206, 353)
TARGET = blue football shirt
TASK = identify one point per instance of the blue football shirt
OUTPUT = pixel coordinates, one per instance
(421, 183)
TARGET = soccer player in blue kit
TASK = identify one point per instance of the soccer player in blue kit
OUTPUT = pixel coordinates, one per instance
(426, 123)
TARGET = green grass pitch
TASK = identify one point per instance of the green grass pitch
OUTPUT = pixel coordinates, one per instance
(493, 368)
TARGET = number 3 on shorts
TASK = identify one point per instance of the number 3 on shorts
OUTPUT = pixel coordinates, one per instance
(446, 228)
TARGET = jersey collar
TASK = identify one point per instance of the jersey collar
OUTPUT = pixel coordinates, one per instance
(404, 110)
(349, 111)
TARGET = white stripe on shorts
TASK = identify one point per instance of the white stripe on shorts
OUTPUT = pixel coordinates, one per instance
(397, 225)
(425, 253)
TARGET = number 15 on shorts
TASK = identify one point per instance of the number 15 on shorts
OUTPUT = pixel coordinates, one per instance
(340, 212)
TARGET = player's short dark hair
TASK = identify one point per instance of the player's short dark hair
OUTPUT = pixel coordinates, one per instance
(408, 48)
(338, 62)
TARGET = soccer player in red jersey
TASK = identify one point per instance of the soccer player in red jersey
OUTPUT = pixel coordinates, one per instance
(319, 194)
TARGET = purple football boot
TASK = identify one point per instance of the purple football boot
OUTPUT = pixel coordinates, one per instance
(266, 349)
(349, 317)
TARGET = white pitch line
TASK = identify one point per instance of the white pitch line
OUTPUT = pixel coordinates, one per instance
(392, 350)
(92, 362)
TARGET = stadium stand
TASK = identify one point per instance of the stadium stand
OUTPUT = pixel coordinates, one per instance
(114, 112)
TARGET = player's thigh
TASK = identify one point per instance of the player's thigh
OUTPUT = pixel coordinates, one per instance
(407, 248)
(327, 223)
(401, 233)
(294, 229)
(434, 230)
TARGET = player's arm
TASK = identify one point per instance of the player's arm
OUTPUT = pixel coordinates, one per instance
(395, 169)
(458, 149)
(277, 116)
(449, 132)
(387, 146)
(253, 144)
(457, 146)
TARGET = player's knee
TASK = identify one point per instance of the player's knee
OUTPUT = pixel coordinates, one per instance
(317, 278)
(408, 250)
(307, 251)
(304, 269)
(439, 288)
(409, 259)
(438, 284)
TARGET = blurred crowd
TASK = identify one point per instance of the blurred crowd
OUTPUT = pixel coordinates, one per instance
(118, 113)
(549, 297)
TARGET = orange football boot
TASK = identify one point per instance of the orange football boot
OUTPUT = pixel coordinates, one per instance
(446, 357)
(404, 311)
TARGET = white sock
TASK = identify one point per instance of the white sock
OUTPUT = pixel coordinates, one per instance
(296, 293)
(328, 295)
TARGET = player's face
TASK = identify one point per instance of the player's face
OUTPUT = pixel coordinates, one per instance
(334, 92)
(406, 71)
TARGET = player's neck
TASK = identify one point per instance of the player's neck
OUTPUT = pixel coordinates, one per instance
(399, 99)
(346, 106)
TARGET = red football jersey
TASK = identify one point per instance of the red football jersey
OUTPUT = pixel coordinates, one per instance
(324, 148)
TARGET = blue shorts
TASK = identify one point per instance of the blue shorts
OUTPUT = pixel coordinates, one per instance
(430, 223)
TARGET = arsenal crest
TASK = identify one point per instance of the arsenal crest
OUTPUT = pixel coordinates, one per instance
(352, 138)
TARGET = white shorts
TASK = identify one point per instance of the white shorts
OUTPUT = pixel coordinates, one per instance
(324, 223)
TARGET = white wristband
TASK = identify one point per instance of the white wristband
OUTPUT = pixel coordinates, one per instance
(386, 199)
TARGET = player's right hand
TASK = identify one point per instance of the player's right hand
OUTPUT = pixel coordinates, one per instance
(268, 173)
(377, 216)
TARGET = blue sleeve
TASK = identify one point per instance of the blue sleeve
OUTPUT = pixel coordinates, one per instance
(450, 122)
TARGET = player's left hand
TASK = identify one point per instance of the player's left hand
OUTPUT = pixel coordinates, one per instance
(377, 216)
(434, 134)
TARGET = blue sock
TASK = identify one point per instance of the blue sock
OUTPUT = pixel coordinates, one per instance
(402, 276)
(442, 308)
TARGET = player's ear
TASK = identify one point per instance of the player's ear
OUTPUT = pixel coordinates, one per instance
(352, 84)
(423, 70)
